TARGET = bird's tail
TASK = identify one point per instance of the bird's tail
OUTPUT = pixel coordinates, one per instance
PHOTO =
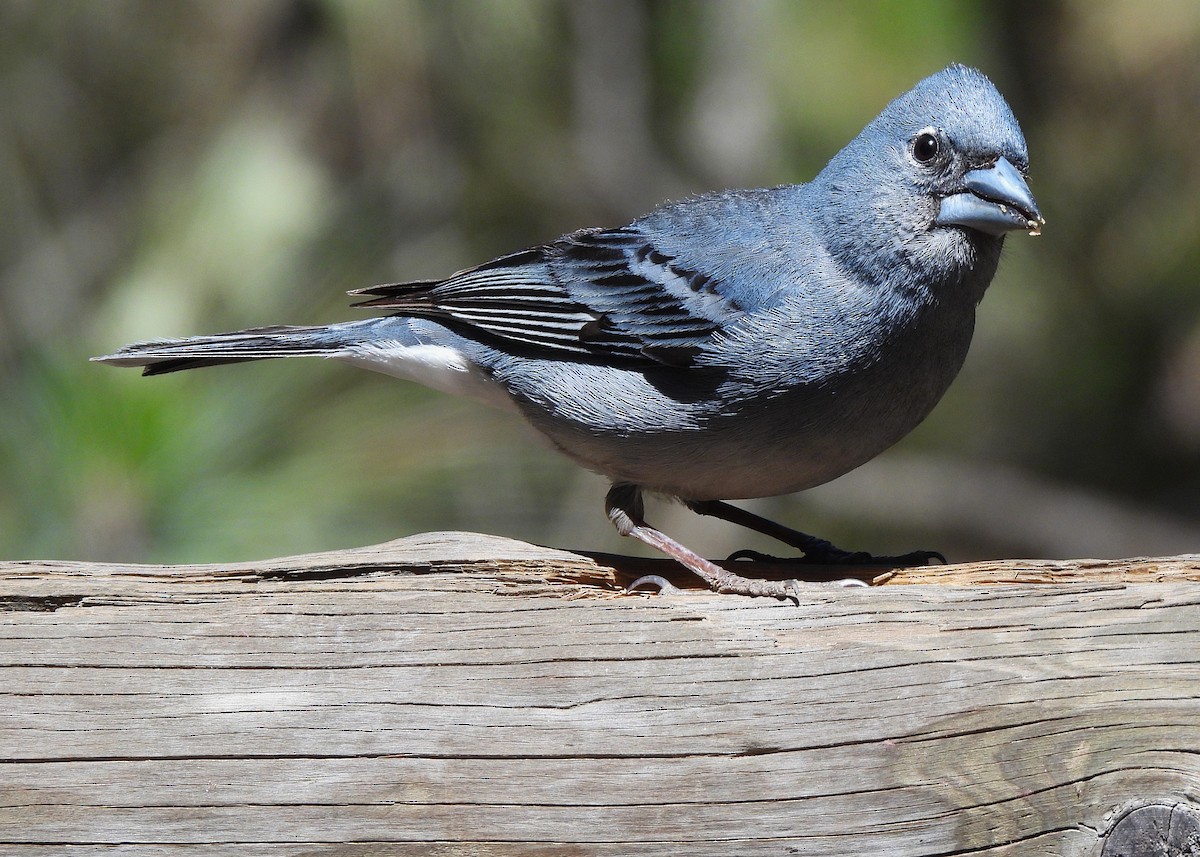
(170, 355)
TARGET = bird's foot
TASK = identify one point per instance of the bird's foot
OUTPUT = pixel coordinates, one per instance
(816, 551)
(828, 554)
(624, 504)
(725, 583)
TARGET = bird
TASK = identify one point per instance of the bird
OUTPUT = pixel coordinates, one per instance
(732, 345)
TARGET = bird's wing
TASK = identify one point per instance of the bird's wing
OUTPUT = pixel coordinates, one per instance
(606, 295)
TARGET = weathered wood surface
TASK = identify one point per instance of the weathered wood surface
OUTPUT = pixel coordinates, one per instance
(458, 695)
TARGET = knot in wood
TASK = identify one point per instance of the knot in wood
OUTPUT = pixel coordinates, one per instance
(1162, 829)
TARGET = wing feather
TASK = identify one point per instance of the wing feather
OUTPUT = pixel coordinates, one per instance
(606, 295)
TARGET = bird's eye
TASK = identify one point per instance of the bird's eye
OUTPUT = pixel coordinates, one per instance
(926, 147)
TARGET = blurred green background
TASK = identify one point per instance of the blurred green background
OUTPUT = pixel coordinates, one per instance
(169, 168)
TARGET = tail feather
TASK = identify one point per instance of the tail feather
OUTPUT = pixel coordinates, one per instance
(160, 356)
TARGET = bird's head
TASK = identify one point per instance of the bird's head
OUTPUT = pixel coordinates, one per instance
(938, 177)
(962, 147)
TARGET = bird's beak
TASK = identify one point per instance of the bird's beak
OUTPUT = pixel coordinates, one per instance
(996, 200)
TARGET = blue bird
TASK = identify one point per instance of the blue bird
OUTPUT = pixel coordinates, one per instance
(739, 344)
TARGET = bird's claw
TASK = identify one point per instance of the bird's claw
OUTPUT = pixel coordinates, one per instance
(665, 587)
(791, 591)
(932, 555)
(850, 583)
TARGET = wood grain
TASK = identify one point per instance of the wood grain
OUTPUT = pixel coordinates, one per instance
(456, 694)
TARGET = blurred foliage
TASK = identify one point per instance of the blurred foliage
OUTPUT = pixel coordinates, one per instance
(179, 167)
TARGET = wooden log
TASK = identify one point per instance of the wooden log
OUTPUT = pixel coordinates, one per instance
(456, 694)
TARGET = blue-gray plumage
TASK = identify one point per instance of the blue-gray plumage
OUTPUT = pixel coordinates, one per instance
(737, 344)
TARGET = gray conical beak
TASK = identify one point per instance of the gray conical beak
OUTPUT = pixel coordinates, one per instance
(997, 200)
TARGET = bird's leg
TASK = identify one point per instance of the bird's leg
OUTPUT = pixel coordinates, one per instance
(816, 551)
(625, 510)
